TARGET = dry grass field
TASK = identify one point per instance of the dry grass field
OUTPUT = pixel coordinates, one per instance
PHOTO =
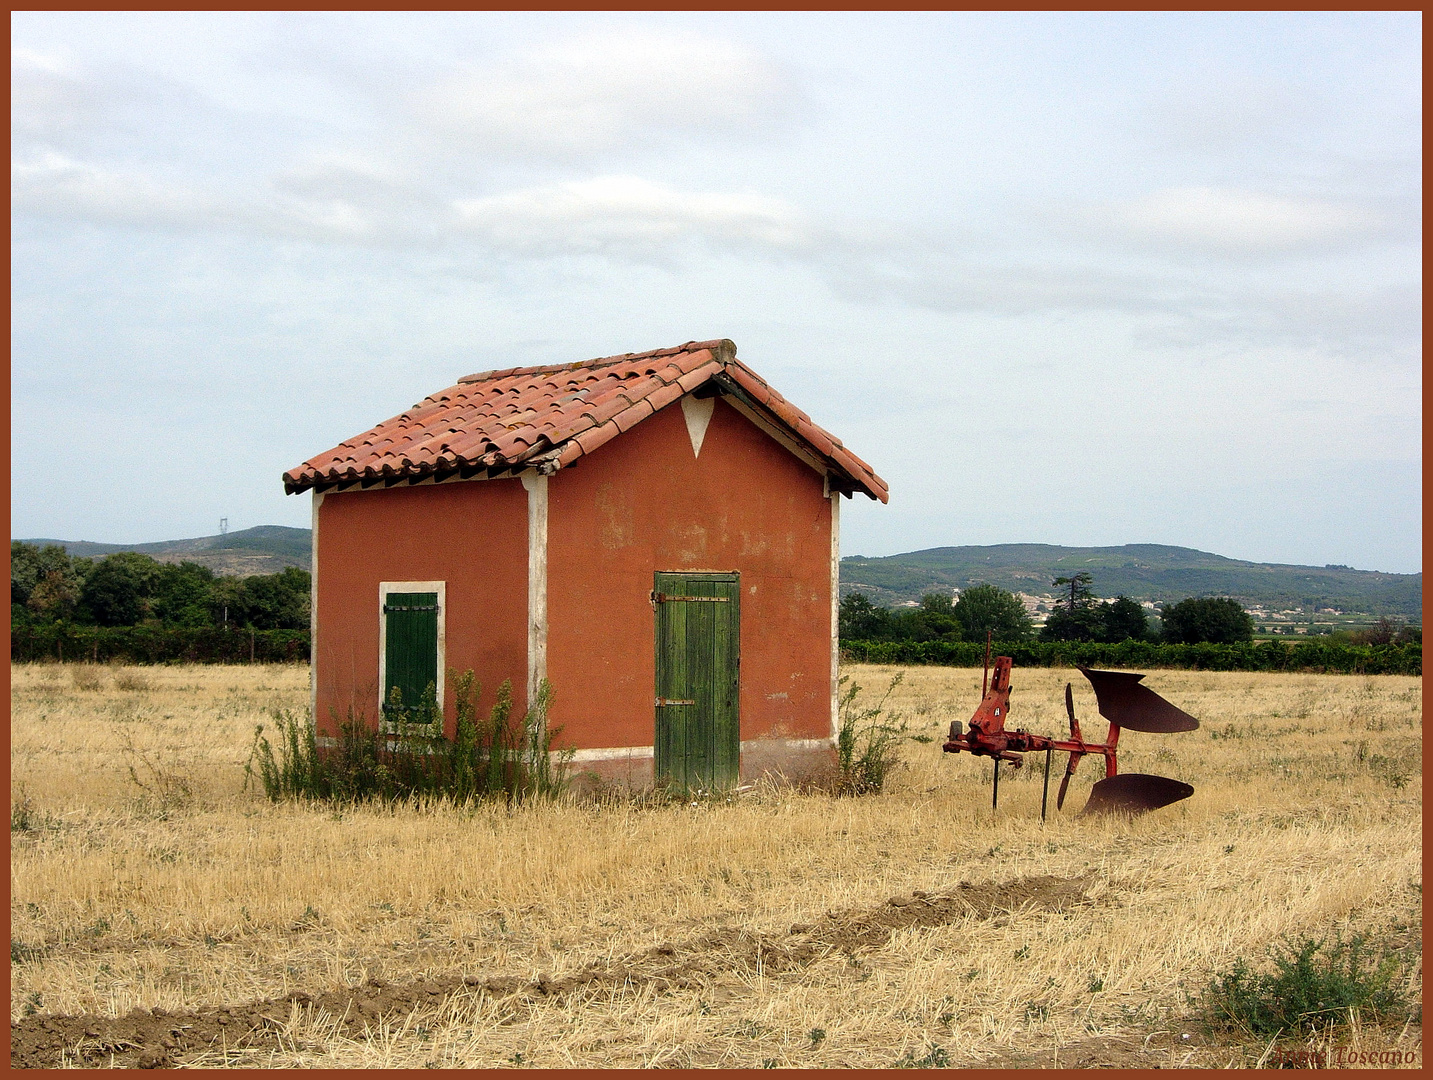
(775, 928)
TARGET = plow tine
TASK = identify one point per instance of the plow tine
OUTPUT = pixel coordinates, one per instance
(1064, 786)
(1075, 733)
(1134, 793)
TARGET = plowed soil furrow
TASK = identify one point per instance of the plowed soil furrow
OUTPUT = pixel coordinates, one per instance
(159, 1039)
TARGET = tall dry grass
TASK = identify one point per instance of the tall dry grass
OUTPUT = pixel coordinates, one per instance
(144, 876)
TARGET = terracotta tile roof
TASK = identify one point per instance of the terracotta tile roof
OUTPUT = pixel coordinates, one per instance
(496, 422)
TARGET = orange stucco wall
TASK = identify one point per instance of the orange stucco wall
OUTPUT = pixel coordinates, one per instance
(472, 535)
(645, 502)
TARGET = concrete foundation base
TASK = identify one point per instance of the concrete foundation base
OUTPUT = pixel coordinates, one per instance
(789, 761)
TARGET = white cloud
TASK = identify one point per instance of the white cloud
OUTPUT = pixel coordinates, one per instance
(23, 61)
(1236, 221)
(47, 97)
(348, 198)
(329, 202)
(1238, 112)
(941, 280)
(333, 200)
(1172, 305)
(608, 90)
(628, 215)
(52, 183)
(1380, 325)
(625, 218)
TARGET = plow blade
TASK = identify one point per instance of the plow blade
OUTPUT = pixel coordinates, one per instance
(1134, 793)
(1123, 701)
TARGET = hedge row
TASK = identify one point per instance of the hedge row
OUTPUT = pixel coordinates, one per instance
(1263, 656)
(157, 645)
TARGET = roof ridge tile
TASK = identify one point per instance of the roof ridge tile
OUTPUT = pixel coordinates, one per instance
(598, 361)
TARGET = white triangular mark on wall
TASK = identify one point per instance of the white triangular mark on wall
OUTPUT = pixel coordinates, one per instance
(698, 412)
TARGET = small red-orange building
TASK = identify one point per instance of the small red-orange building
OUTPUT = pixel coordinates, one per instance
(656, 534)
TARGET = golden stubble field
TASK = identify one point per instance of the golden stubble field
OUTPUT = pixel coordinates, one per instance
(779, 928)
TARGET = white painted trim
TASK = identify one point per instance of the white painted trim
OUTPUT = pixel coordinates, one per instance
(328, 742)
(386, 587)
(750, 745)
(698, 414)
(536, 486)
(619, 753)
(313, 611)
(835, 616)
(611, 753)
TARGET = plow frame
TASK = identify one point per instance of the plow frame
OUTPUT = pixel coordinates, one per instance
(1119, 695)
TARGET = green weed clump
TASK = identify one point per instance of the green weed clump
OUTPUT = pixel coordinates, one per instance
(935, 1058)
(867, 746)
(409, 757)
(26, 817)
(1315, 984)
(23, 816)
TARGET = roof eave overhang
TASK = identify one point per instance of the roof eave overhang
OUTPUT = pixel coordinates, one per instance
(409, 477)
(841, 479)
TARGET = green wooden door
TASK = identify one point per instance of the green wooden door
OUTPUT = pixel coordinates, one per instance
(410, 654)
(698, 740)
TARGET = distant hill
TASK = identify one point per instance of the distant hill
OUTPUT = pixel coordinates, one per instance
(1153, 572)
(264, 549)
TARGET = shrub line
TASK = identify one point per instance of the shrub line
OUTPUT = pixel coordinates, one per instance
(157, 644)
(1310, 656)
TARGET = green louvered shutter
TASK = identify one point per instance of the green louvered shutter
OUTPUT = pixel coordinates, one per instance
(697, 743)
(410, 650)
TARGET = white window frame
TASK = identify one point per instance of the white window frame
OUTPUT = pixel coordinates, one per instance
(386, 587)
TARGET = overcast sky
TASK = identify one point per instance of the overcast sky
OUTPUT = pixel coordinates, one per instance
(1060, 278)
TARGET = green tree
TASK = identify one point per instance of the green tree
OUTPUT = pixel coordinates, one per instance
(1079, 617)
(934, 619)
(1124, 619)
(120, 589)
(989, 607)
(1217, 619)
(860, 620)
(1079, 589)
(45, 582)
(228, 602)
(1081, 624)
(262, 601)
(55, 597)
(30, 565)
(181, 594)
(278, 601)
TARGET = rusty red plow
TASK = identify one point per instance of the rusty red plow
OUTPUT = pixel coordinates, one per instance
(1122, 700)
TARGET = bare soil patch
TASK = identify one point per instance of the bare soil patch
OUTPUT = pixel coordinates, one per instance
(157, 1038)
